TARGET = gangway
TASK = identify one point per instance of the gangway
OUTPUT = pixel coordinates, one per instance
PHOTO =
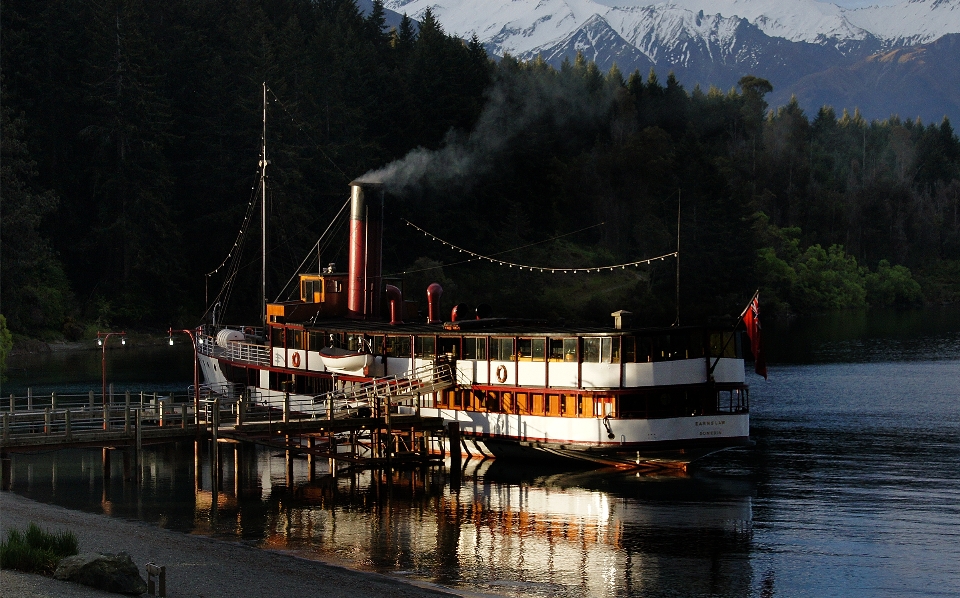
(395, 389)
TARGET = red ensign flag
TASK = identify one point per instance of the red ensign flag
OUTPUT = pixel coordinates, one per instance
(751, 317)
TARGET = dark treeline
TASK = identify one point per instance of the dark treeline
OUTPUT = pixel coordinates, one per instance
(132, 132)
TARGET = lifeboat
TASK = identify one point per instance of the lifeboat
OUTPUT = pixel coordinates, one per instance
(343, 361)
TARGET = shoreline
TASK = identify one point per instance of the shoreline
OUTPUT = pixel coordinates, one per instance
(197, 565)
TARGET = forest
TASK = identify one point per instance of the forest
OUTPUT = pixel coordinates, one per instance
(132, 133)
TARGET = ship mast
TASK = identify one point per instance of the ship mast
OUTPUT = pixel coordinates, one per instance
(263, 214)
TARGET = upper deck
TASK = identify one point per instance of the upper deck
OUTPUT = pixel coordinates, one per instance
(501, 352)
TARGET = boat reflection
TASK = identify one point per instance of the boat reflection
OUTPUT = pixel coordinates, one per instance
(504, 529)
(496, 528)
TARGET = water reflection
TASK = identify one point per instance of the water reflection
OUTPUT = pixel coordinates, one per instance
(866, 336)
(130, 367)
(507, 530)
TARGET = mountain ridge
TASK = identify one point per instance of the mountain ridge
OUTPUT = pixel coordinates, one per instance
(795, 44)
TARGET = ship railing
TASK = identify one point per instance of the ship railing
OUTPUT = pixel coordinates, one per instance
(395, 389)
(254, 353)
(225, 391)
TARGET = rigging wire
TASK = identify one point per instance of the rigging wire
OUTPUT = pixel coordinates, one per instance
(480, 257)
(311, 254)
(226, 289)
(300, 128)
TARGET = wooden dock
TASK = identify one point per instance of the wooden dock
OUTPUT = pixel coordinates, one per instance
(384, 439)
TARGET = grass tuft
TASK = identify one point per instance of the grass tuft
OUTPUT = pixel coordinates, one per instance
(36, 550)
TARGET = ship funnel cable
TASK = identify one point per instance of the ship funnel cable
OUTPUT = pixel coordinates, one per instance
(312, 253)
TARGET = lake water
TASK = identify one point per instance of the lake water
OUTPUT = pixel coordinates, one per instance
(853, 489)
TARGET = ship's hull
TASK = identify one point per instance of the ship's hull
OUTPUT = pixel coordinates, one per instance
(667, 441)
(678, 440)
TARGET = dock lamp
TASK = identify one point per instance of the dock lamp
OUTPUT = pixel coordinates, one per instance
(196, 373)
(102, 338)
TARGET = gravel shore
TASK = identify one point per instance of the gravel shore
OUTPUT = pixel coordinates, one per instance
(197, 566)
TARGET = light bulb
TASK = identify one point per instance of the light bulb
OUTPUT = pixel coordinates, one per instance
(171, 341)
(123, 340)
(99, 342)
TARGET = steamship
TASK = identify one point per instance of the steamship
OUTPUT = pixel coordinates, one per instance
(516, 387)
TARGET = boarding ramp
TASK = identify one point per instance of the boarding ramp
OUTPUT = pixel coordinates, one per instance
(393, 390)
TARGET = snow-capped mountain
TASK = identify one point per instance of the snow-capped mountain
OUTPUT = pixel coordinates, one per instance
(705, 42)
(523, 26)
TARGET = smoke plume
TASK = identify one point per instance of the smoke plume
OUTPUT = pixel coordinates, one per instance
(516, 103)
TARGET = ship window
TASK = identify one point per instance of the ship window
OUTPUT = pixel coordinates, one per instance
(722, 345)
(355, 342)
(563, 349)
(601, 350)
(501, 349)
(660, 348)
(591, 350)
(424, 346)
(295, 339)
(309, 288)
(377, 345)
(316, 339)
(448, 346)
(398, 346)
(531, 349)
(539, 349)
(475, 347)
(629, 349)
(276, 336)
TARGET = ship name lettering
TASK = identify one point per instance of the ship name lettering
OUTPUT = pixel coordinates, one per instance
(717, 422)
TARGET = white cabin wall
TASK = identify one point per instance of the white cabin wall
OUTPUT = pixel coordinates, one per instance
(665, 373)
(563, 374)
(728, 370)
(314, 363)
(533, 373)
(472, 370)
(399, 365)
(600, 375)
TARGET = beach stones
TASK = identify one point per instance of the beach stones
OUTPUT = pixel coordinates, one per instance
(110, 572)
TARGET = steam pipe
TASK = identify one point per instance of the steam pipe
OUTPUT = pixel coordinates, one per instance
(396, 304)
(460, 311)
(433, 302)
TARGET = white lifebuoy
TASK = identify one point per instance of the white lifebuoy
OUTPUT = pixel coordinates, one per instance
(296, 360)
(501, 374)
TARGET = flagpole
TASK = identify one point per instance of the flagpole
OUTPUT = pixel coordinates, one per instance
(735, 326)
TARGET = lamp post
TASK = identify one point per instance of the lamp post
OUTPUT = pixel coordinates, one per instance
(196, 374)
(102, 338)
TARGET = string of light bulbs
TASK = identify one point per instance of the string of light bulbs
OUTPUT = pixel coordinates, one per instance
(480, 257)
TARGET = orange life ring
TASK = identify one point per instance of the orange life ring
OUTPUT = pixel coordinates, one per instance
(296, 360)
(501, 374)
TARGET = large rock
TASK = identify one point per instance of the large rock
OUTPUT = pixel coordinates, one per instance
(111, 572)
